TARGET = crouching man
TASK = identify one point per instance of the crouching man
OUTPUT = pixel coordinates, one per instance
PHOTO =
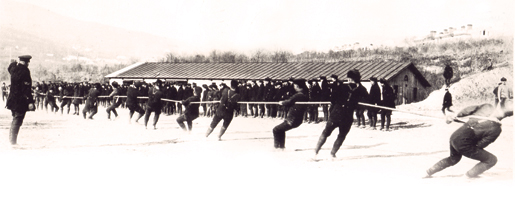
(471, 139)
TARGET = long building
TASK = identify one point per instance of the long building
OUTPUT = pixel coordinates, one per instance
(409, 84)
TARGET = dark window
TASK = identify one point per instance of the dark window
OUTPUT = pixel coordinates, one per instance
(415, 94)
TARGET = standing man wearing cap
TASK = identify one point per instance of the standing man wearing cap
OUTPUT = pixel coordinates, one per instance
(325, 96)
(471, 139)
(503, 92)
(447, 74)
(447, 101)
(373, 98)
(387, 100)
(20, 98)
(295, 114)
(154, 103)
(344, 100)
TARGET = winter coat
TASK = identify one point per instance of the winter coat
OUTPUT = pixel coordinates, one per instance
(20, 95)
(228, 103)
(191, 111)
(447, 99)
(154, 99)
(344, 100)
(296, 111)
(388, 97)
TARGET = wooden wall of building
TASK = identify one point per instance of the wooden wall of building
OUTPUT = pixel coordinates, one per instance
(407, 87)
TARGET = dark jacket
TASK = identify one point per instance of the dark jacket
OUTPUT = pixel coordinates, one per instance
(132, 96)
(20, 95)
(296, 111)
(388, 97)
(375, 94)
(473, 134)
(154, 99)
(92, 97)
(314, 93)
(325, 94)
(447, 72)
(191, 111)
(344, 100)
(447, 99)
(228, 103)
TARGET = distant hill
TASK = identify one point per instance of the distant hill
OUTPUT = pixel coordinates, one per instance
(50, 37)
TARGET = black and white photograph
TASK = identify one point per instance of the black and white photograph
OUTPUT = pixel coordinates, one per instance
(256, 107)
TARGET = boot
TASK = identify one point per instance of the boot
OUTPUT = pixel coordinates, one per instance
(139, 117)
(13, 134)
(320, 143)
(222, 131)
(208, 132)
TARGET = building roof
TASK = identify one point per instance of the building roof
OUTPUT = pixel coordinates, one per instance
(256, 71)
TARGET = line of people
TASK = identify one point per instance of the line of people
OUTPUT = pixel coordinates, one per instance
(469, 140)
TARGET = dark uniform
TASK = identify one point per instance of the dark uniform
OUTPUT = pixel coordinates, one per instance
(154, 103)
(447, 74)
(225, 111)
(65, 99)
(20, 96)
(388, 100)
(92, 102)
(374, 98)
(447, 101)
(191, 110)
(117, 101)
(360, 110)
(4, 92)
(132, 101)
(180, 96)
(344, 100)
(471, 139)
(50, 97)
(295, 114)
(77, 94)
(325, 97)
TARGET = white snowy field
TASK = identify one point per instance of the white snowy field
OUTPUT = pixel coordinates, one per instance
(67, 165)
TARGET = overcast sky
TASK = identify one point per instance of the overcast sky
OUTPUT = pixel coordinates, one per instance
(293, 25)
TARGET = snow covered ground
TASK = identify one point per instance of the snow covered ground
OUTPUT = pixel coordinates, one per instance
(68, 165)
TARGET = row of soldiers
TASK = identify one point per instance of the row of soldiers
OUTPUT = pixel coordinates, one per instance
(254, 92)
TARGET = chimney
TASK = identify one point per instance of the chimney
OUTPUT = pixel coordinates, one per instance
(432, 33)
(469, 27)
(451, 30)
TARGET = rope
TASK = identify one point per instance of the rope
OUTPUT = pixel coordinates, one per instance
(311, 103)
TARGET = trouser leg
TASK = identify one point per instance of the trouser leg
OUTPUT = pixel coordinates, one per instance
(280, 134)
(344, 130)
(329, 127)
(214, 123)
(488, 160)
(452, 160)
(388, 121)
(190, 124)
(15, 126)
(180, 120)
(382, 120)
(94, 111)
(147, 116)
